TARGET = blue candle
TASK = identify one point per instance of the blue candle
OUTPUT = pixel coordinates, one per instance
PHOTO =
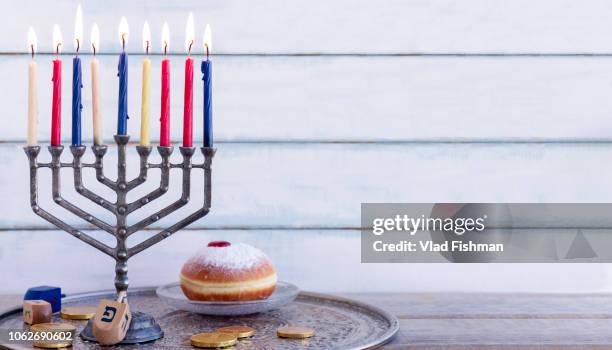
(123, 87)
(76, 101)
(77, 82)
(207, 77)
(122, 115)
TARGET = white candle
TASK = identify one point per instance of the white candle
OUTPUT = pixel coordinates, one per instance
(32, 94)
(95, 87)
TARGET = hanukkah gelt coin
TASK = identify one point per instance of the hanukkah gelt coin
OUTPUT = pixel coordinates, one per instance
(78, 312)
(213, 340)
(51, 345)
(54, 327)
(295, 332)
(238, 331)
(53, 335)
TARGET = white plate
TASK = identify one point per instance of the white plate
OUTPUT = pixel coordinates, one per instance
(173, 295)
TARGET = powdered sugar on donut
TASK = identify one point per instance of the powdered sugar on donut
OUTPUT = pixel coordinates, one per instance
(235, 256)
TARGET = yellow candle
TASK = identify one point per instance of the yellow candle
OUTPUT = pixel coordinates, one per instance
(32, 93)
(145, 138)
(95, 88)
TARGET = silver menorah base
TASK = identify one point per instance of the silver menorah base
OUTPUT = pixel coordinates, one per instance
(143, 328)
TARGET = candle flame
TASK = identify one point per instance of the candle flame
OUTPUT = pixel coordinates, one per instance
(78, 28)
(208, 40)
(146, 37)
(189, 33)
(165, 37)
(57, 39)
(95, 38)
(32, 41)
(123, 32)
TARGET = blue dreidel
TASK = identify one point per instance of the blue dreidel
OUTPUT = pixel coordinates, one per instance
(53, 295)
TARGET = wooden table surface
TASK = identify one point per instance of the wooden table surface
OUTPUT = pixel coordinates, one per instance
(489, 321)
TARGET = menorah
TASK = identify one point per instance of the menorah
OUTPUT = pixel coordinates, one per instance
(143, 327)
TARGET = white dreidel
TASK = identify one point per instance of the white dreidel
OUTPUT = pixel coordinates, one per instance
(112, 320)
(36, 311)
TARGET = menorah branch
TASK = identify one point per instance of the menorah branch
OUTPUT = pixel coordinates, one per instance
(165, 153)
(32, 153)
(99, 151)
(56, 152)
(208, 153)
(77, 153)
(167, 232)
(143, 152)
(187, 153)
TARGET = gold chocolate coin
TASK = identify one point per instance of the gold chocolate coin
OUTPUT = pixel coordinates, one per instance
(78, 312)
(238, 331)
(295, 332)
(55, 327)
(52, 328)
(213, 340)
(45, 345)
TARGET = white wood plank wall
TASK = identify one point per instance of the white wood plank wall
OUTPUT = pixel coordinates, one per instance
(320, 106)
(341, 26)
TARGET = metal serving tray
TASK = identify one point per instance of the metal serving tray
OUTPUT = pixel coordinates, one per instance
(339, 323)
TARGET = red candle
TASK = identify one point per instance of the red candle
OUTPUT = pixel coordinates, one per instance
(188, 105)
(164, 136)
(56, 108)
(188, 98)
(164, 131)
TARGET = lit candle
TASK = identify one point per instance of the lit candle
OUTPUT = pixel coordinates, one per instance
(123, 79)
(188, 98)
(77, 79)
(56, 109)
(207, 77)
(145, 139)
(95, 87)
(32, 93)
(164, 134)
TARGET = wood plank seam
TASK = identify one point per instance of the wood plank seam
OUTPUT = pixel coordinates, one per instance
(560, 316)
(432, 141)
(343, 54)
